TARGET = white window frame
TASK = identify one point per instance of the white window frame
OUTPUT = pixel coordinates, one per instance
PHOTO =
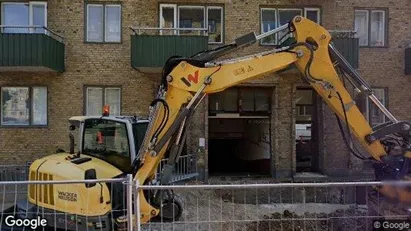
(176, 19)
(368, 25)
(31, 12)
(222, 21)
(369, 12)
(105, 22)
(279, 18)
(289, 9)
(30, 4)
(191, 7)
(368, 102)
(119, 95)
(262, 24)
(31, 119)
(104, 96)
(162, 6)
(277, 11)
(313, 9)
(87, 21)
(384, 27)
(103, 5)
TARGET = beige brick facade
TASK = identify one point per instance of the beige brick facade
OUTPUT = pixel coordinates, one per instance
(109, 65)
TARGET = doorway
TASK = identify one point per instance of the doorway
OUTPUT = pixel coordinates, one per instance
(306, 131)
(239, 132)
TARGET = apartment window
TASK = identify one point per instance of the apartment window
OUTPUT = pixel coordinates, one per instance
(209, 18)
(372, 113)
(97, 97)
(31, 17)
(272, 18)
(375, 115)
(103, 23)
(24, 106)
(370, 26)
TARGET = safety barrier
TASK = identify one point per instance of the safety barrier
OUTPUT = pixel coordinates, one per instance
(113, 204)
(49, 204)
(352, 206)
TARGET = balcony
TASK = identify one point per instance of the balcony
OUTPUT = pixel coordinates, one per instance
(149, 52)
(345, 43)
(33, 49)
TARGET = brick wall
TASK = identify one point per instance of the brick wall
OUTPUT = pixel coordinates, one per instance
(86, 64)
(109, 64)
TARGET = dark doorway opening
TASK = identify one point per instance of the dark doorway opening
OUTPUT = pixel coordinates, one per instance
(239, 147)
(306, 131)
(239, 132)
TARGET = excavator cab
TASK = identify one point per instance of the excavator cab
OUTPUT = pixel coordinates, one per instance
(107, 146)
(114, 139)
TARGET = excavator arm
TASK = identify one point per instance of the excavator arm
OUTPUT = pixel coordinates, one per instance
(186, 81)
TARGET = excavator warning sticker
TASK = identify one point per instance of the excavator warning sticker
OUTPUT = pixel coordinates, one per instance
(191, 78)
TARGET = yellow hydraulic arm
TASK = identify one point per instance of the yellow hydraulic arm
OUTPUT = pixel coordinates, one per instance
(187, 81)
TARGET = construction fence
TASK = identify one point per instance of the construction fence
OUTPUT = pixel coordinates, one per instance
(113, 204)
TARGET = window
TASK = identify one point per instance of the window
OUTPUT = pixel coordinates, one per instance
(375, 115)
(272, 18)
(97, 97)
(372, 113)
(107, 140)
(244, 100)
(196, 18)
(304, 104)
(24, 106)
(304, 110)
(370, 26)
(139, 132)
(103, 23)
(24, 14)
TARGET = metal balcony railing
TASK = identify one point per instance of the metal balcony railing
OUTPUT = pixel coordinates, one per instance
(31, 48)
(31, 30)
(150, 51)
(175, 31)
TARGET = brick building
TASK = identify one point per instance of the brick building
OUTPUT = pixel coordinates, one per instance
(89, 56)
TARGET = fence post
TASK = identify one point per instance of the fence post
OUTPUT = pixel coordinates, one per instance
(137, 205)
(129, 202)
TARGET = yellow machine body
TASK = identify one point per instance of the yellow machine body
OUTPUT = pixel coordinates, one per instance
(70, 198)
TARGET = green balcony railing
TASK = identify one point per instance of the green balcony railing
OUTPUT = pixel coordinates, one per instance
(150, 52)
(21, 51)
(345, 43)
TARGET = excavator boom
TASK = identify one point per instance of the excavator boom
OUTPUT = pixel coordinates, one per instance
(186, 81)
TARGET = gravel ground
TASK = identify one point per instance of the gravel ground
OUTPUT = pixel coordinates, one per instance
(206, 210)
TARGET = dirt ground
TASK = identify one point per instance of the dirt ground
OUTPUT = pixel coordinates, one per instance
(213, 210)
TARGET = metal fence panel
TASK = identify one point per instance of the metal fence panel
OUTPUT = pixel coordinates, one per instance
(352, 206)
(185, 168)
(67, 205)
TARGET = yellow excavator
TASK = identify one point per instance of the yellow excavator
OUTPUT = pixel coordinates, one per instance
(113, 146)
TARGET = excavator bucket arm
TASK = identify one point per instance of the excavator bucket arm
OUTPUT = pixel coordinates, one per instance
(188, 80)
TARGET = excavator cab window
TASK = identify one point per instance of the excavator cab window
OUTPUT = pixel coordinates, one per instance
(107, 140)
(139, 131)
